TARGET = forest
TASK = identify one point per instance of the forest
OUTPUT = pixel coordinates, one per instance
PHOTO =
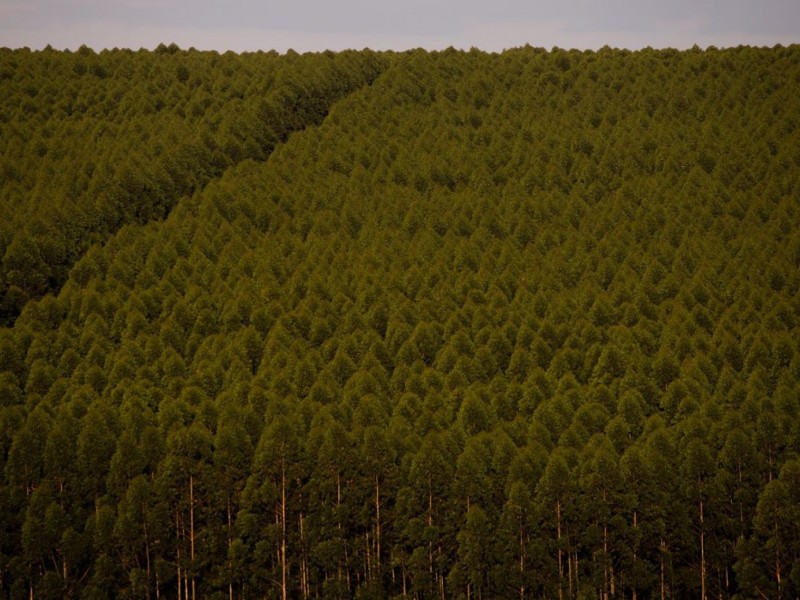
(420, 324)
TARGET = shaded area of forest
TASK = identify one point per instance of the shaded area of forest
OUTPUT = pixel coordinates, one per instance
(92, 141)
(518, 325)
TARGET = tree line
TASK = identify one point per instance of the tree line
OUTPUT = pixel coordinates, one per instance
(516, 325)
(92, 141)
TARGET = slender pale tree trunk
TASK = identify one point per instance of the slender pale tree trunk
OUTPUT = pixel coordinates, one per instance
(606, 579)
(303, 562)
(178, 550)
(560, 558)
(191, 534)
(147, 559)
(635, 529)
(367, 566)
(230, 544)
(741, 504)
(521, 561)
(702, 555)
(430, 524)
(569, 568)
(284, 585)
(339, 525)
(777, 564)
(377, 524)
(662, 569)
(441, 579)
(613, 581)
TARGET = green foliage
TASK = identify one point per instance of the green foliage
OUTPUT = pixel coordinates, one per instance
(509, 325)
(94, 141)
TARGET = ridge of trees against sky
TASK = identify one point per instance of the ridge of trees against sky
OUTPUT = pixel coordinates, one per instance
(515, 325)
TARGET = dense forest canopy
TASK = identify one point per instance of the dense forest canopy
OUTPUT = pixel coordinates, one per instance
(429, 324)
(90, 142)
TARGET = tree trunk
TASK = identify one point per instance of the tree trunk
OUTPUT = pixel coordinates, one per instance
(560, 559)
(635, 544)
(377, 524)
(741, 504)
(230, 543)
(367, 566)
(441, 578)
(661, 568)
(284, 588)
(147, 559)
(521, 561)
(304, 586)
(430, 524)
(777, 563)
(569, 569)
(702, 555)
(613, 580)
(191, 533)
(339, 526)
(576, 571)
(605, 561)
(178, 550)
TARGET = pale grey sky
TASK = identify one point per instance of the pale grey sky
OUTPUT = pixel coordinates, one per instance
(311, 25)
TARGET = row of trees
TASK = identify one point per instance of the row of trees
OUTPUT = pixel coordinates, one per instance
(208, 509)
(93, 141)
(490, 330)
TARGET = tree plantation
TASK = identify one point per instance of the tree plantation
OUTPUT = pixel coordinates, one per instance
(422, 324)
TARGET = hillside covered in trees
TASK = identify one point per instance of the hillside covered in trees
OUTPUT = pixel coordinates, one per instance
(422, 324)
(90, 142)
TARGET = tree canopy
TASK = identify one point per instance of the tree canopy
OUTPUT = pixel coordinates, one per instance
(432, 324)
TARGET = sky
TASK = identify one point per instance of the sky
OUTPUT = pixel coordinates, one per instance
(316, 25)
